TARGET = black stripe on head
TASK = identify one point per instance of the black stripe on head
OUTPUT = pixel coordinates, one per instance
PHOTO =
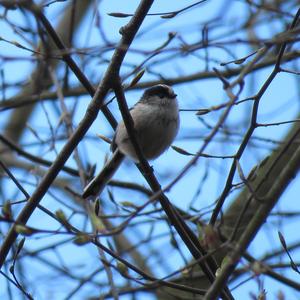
(160, 90)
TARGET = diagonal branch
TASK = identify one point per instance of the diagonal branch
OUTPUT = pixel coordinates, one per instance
(270, 197)
(209, 267)
(112, 71)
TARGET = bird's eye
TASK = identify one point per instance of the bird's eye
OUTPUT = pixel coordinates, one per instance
(160, 96)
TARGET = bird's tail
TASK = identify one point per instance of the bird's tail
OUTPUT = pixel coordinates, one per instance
(96, 186)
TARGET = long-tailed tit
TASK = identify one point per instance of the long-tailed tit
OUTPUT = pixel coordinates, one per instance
(156, 122)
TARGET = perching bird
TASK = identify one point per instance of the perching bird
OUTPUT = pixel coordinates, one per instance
(156, 121)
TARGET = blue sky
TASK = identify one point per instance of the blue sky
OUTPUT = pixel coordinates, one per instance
(278, 104)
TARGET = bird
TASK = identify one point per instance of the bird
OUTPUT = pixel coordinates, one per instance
(155, 121)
